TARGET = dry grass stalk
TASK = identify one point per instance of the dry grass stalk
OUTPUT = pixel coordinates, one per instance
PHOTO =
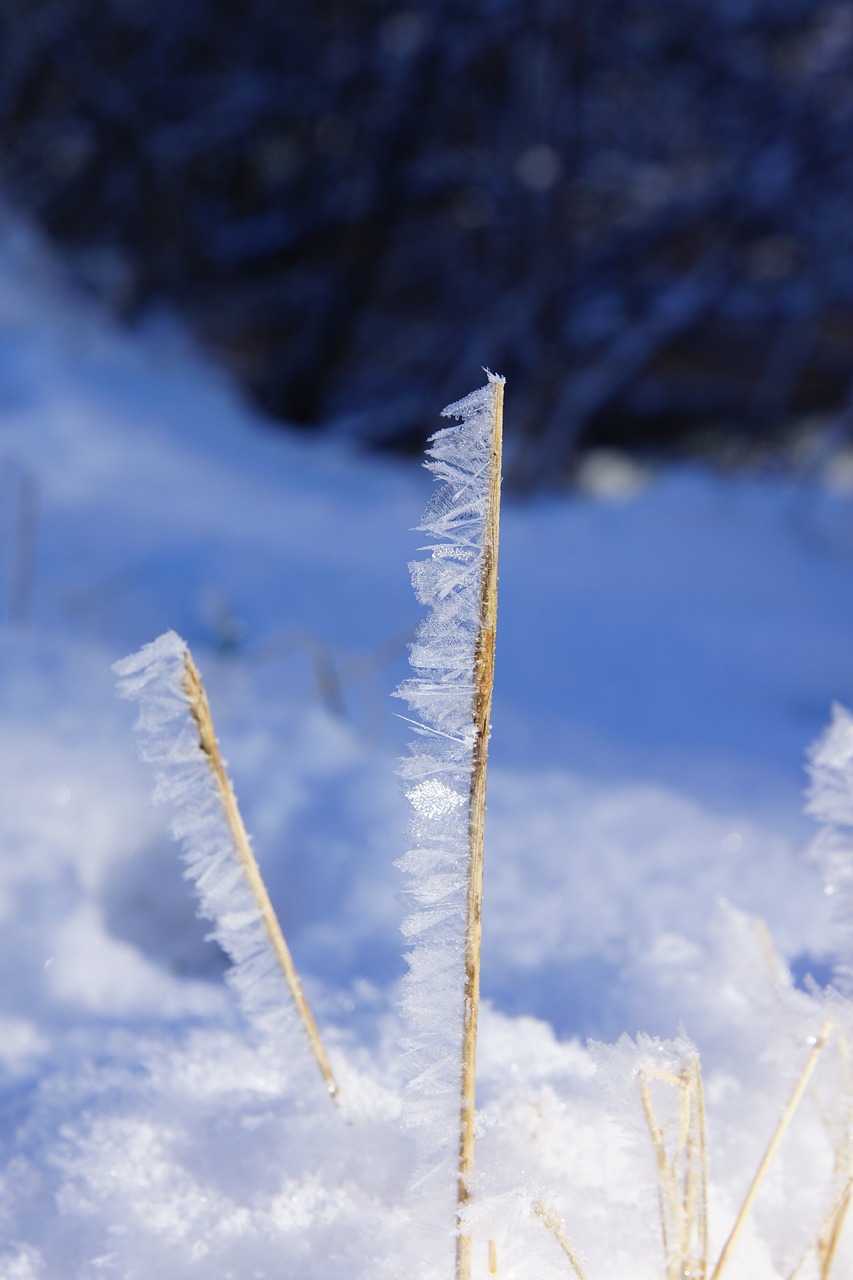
(484, 668)
(554, 1224)
(773, 1147)
(493, 1258)
(200, 711)
(682, 1172)
(830, 1234)
(824, 1248)
(683, 1175)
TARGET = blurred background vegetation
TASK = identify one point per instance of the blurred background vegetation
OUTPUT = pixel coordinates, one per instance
(640, 211)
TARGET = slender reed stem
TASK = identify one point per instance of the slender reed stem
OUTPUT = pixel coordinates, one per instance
(493, 1258)
(831, 1234)
(824, 1247)
(682, 1176)
(665, 1188)
(773, 1146)
(200, 711)
(702, 1155)
(484, 670)
(555, 1226)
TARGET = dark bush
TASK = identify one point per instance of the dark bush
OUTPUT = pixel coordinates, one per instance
(638, 211)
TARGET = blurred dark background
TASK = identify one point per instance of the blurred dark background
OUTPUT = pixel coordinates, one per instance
(640, 212)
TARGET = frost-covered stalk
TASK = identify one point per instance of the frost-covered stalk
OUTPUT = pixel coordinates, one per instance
(451, 693)
(682, 1168)
(553, 1222)
(177, 737)
(773, 1147)
(484, 675)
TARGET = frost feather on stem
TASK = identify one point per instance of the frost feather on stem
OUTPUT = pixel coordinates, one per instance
(176, 737)
(450, 694)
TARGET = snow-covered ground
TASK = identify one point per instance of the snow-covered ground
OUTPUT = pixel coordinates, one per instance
(665, 656)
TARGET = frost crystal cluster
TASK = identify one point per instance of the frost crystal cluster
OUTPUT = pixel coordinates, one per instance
(439, 766)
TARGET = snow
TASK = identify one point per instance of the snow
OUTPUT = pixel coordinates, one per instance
(666, 654)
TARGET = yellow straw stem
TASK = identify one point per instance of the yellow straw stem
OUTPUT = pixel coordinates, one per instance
(555, 1226)
(773, 1146)
(484, 670)
(200, 711)
(682, 1177)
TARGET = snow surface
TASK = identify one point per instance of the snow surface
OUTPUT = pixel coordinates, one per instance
(664, 660)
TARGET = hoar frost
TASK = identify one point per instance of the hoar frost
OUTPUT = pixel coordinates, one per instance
(440, 764)
(432, 799)
(155, 677)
